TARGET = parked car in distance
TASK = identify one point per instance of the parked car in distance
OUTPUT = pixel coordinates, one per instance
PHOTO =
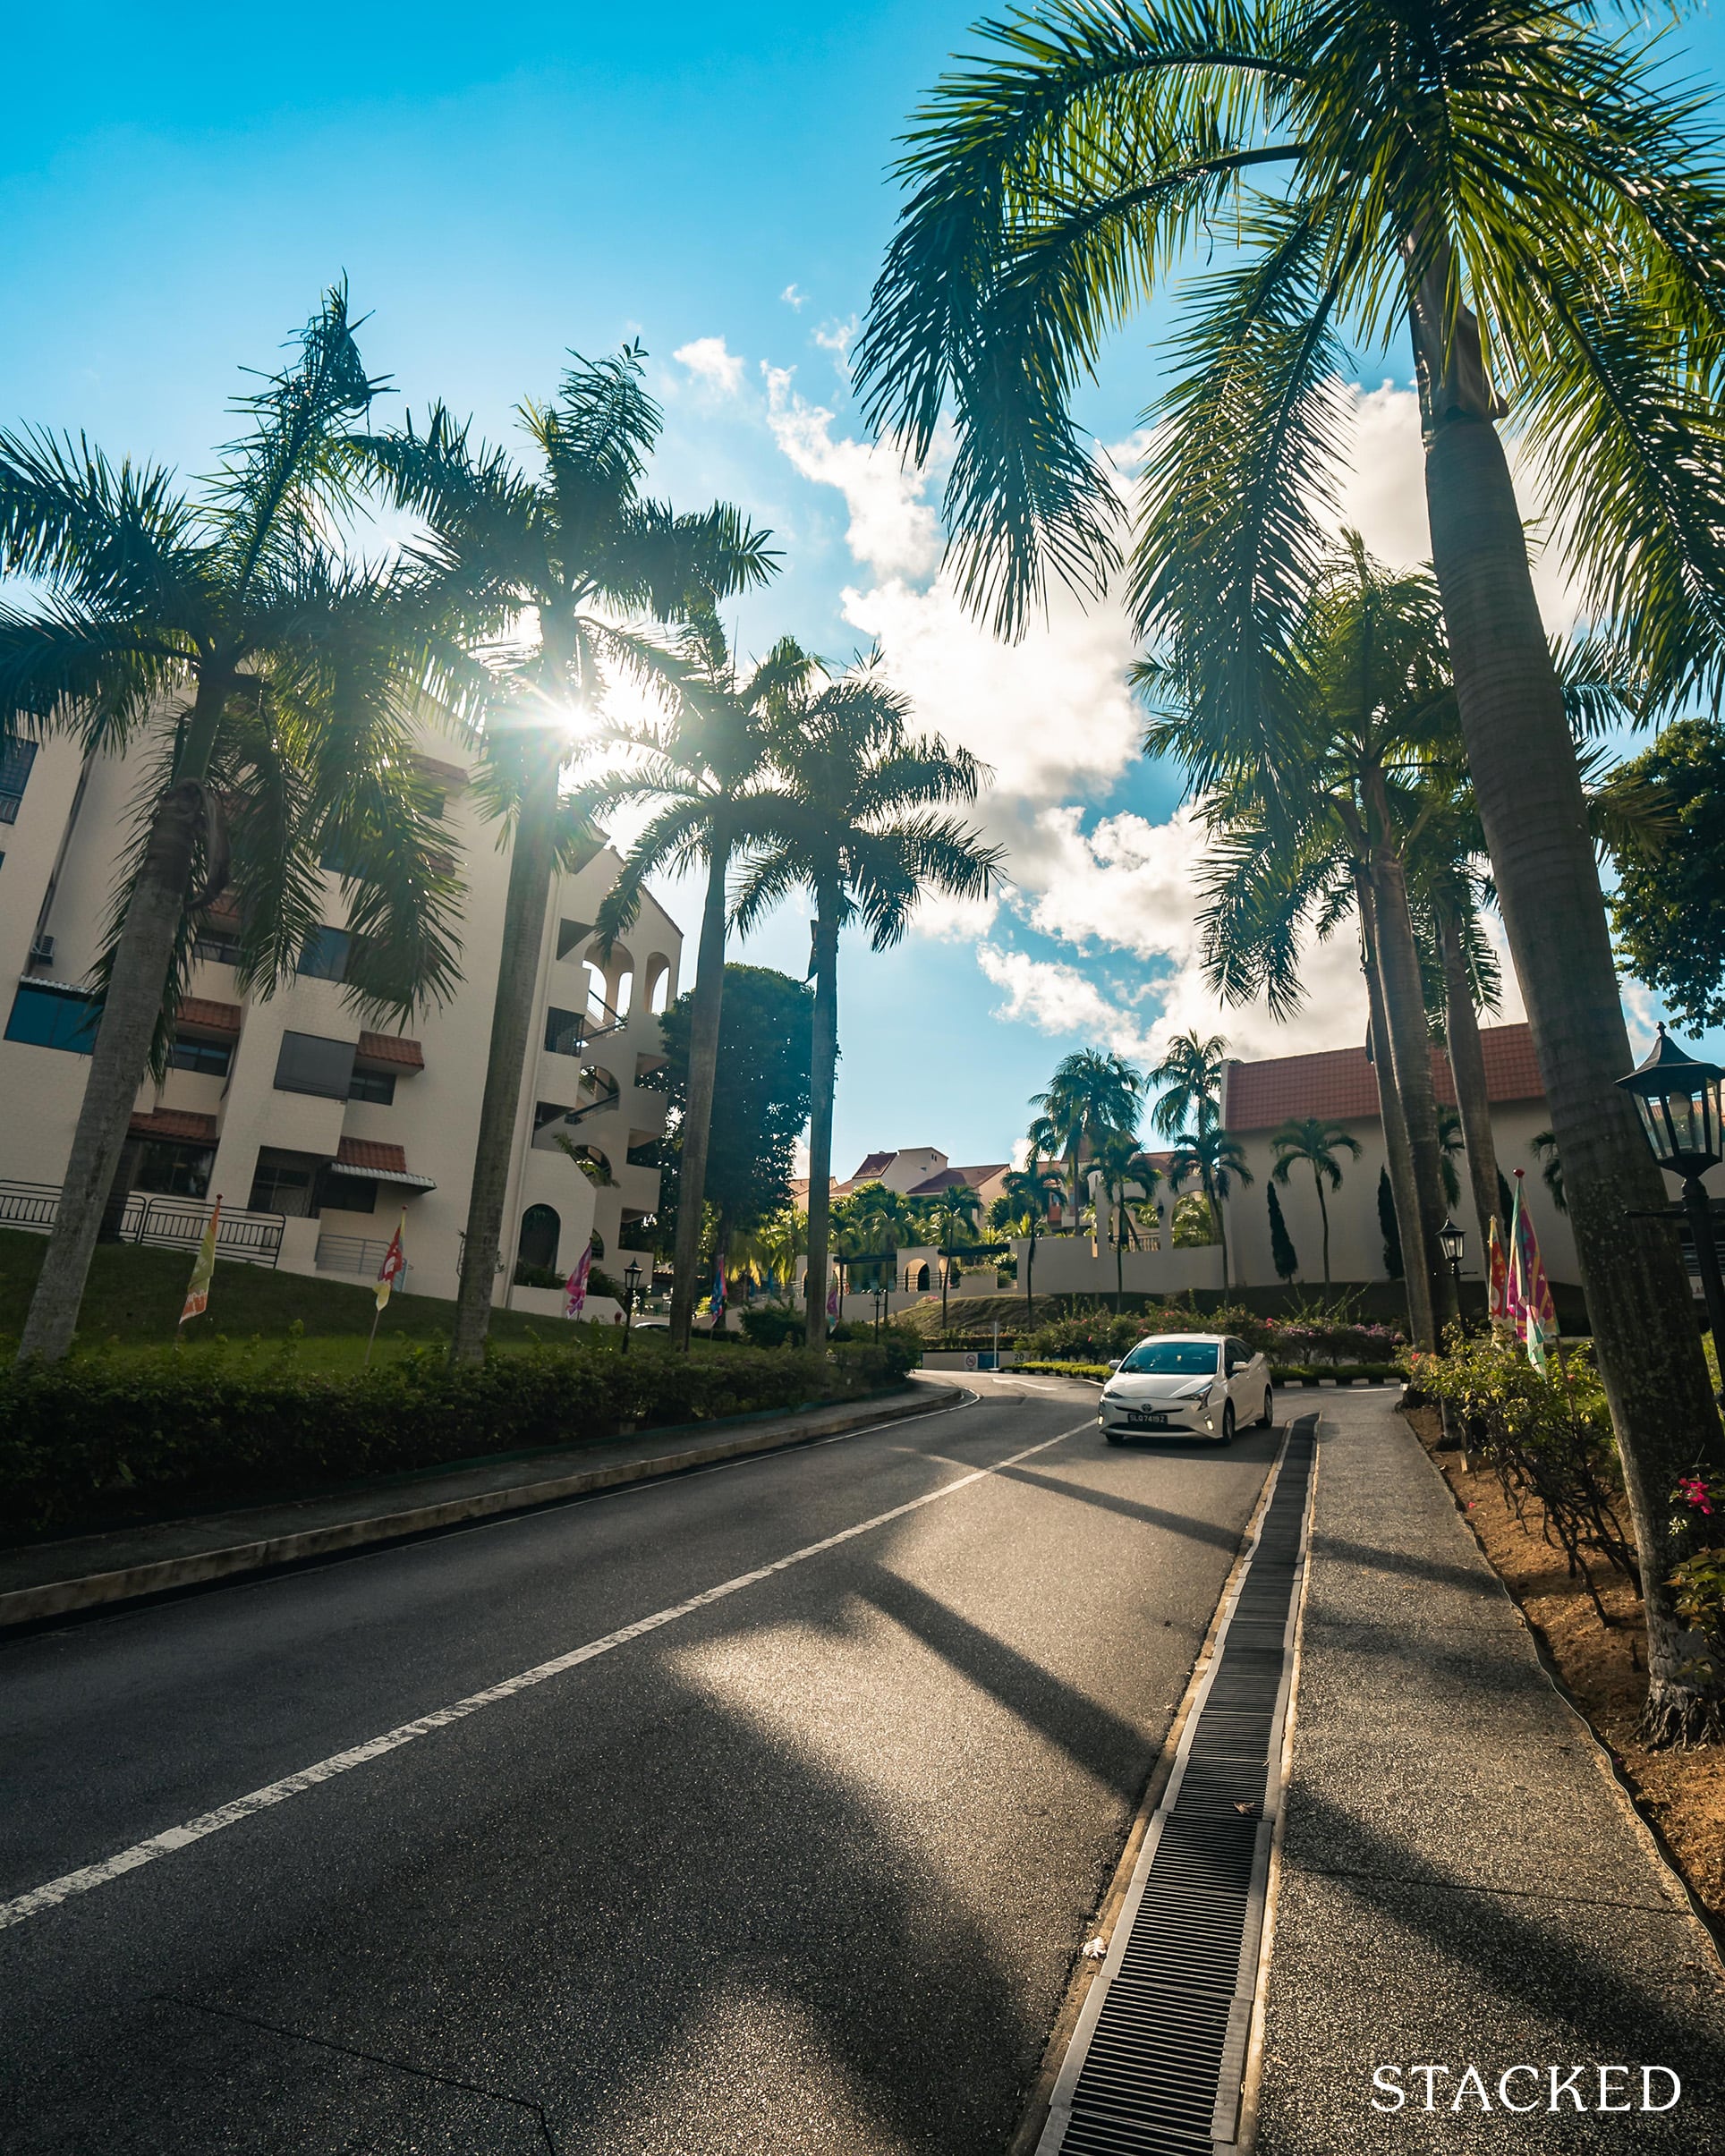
(1201, 1385)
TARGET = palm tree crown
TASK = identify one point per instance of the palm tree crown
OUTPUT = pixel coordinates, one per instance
(1092, 1093)
(1310, 1141)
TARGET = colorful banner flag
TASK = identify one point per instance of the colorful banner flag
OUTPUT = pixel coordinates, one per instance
(574, 1288)
(832, 1298)
(718, 1286)
(1496, 1277)
(1535, 1314)
(203, 1269)
(395, 1263)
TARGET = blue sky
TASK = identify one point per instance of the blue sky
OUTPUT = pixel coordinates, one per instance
(500, 184)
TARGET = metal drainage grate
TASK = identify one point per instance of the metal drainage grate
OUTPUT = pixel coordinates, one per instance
(1158, 2057)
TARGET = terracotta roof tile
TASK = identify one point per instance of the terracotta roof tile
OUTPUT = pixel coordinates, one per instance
(215, 1017)
(393, 1048)
(362, 1153)
(175, 1123)
(1342, 1085)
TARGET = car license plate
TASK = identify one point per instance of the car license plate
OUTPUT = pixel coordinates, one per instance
(1144, 1422)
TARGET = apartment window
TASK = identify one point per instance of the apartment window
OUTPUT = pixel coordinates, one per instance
(325, 954)
(285, 1182)
(219, 945)
(308, 1063)
(209, 1058)
(376, 1086)
(348, 1194)
(16, 756)
(50, 1018)
(564, 1033)
(174, 1171)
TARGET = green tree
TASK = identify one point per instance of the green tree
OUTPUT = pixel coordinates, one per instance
(853, 820)
(1669, 908)
(699, 769)
(1513, 186)
(1218, 1160)
(1190, 1076)
(761, 1069)
(952, 1218)
(1121, 1168)
(1283, 1255)
(1090, 1094)
(573, 549)
(272, 683)
(1310, 1141)
(1028, 1195)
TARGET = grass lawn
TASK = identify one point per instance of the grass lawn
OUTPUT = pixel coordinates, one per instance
(134, 1297)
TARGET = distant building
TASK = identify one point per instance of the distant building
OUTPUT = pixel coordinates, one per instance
(314, 1128)
(915, 1171)
(1341, 1086)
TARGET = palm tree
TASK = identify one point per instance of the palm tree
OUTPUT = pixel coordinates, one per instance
(853, 820)
(953, 1213)
(1090, 1094)
(1311, 1142)
(1550, 1167)
(783, 1240)
(1189, 1076)
(1027, 1196)
(1218, 1161)
(277, 685)
(698, 769)
(575, 547)
(1512, 185)
(1121, 1167)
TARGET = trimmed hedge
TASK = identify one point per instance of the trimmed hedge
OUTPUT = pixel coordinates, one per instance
(97, 1438)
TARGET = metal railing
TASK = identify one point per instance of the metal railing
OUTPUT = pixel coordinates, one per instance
(360, 1254)
(160, 1223)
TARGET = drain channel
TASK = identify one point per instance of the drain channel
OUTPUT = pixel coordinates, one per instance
(1158, 2057)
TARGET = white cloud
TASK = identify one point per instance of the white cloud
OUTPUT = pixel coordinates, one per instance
(1056, 998)
(835, 338)
(706, 359)
(794, 298)
(893, 530)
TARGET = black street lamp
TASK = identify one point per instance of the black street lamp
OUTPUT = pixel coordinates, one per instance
(1452, 1241)
(1677, 1097)
(631, 1282)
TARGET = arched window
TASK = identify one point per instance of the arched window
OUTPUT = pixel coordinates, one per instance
(540, 1230)
(598, 1242)
(656, 978)
(920, 1284)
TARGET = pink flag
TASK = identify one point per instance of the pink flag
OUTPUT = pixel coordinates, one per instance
(574, 1289)
(832, 1298)
(1533, 1311)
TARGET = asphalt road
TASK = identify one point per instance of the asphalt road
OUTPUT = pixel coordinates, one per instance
(801, 1867)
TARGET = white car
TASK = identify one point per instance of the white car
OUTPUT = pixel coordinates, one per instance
(1202, 1385)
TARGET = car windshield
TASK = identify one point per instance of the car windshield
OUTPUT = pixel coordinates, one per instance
(1172, 1358)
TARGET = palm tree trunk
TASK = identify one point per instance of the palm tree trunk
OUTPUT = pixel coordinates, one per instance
(1530, 802)
(1029, 1275)
(1398, 1153)
(1410, 1055)
(1323, 1215)
(121, 1058)
(704, 1016)
(532, 863)
(1461, 1027)
(945, 1276)
(1119, 1260)
(1215, 1205)
(823, 1065)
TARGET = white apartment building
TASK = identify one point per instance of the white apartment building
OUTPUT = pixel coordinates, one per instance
(315, 1129)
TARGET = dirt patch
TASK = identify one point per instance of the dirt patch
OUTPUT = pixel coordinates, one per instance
(1604, 1666)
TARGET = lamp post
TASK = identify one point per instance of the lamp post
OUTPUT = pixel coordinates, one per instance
(1677, 1097)
(631, 1282)
(1452, 1241)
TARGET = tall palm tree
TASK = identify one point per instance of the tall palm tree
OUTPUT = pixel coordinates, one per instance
(1122, 1168)
(699, 769)
(1028, 1195)
(953, 1213)
(1218, 1160)
(1091, 1093)
(1542, 207)
(276, 684)
(1310, 1141)
(571, 548)
(1190, 1076)
(853, 820)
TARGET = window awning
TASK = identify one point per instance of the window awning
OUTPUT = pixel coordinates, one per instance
(379, 1163)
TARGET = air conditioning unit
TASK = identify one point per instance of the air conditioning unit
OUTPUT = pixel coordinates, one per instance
(41, 951)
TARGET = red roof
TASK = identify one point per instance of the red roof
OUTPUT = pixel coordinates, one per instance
(175, 1123)
(391, 1048)
(872, 1166)
(214, 1018)
(363, 1153)
(1341, 1085)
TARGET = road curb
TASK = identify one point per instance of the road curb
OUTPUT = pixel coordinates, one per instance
(63, 1598)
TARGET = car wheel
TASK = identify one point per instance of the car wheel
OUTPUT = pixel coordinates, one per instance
(1226, 1435)
(1268, 1422)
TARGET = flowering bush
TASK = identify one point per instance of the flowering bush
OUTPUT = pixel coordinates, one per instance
(1319, 1335)
(1700, 1578)
(1548, 1435)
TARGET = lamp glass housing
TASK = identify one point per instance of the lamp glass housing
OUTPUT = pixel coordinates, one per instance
(1677, 1097)
(1453, 1240)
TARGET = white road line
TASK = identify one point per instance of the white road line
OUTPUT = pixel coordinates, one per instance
(172, 1838)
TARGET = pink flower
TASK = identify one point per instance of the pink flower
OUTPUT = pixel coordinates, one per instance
(1692, 1488)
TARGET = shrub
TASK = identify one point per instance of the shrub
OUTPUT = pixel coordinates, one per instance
(96, 1437)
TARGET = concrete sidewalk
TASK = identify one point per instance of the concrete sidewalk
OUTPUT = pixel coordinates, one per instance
(44, 1580)
(1462, 1882)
